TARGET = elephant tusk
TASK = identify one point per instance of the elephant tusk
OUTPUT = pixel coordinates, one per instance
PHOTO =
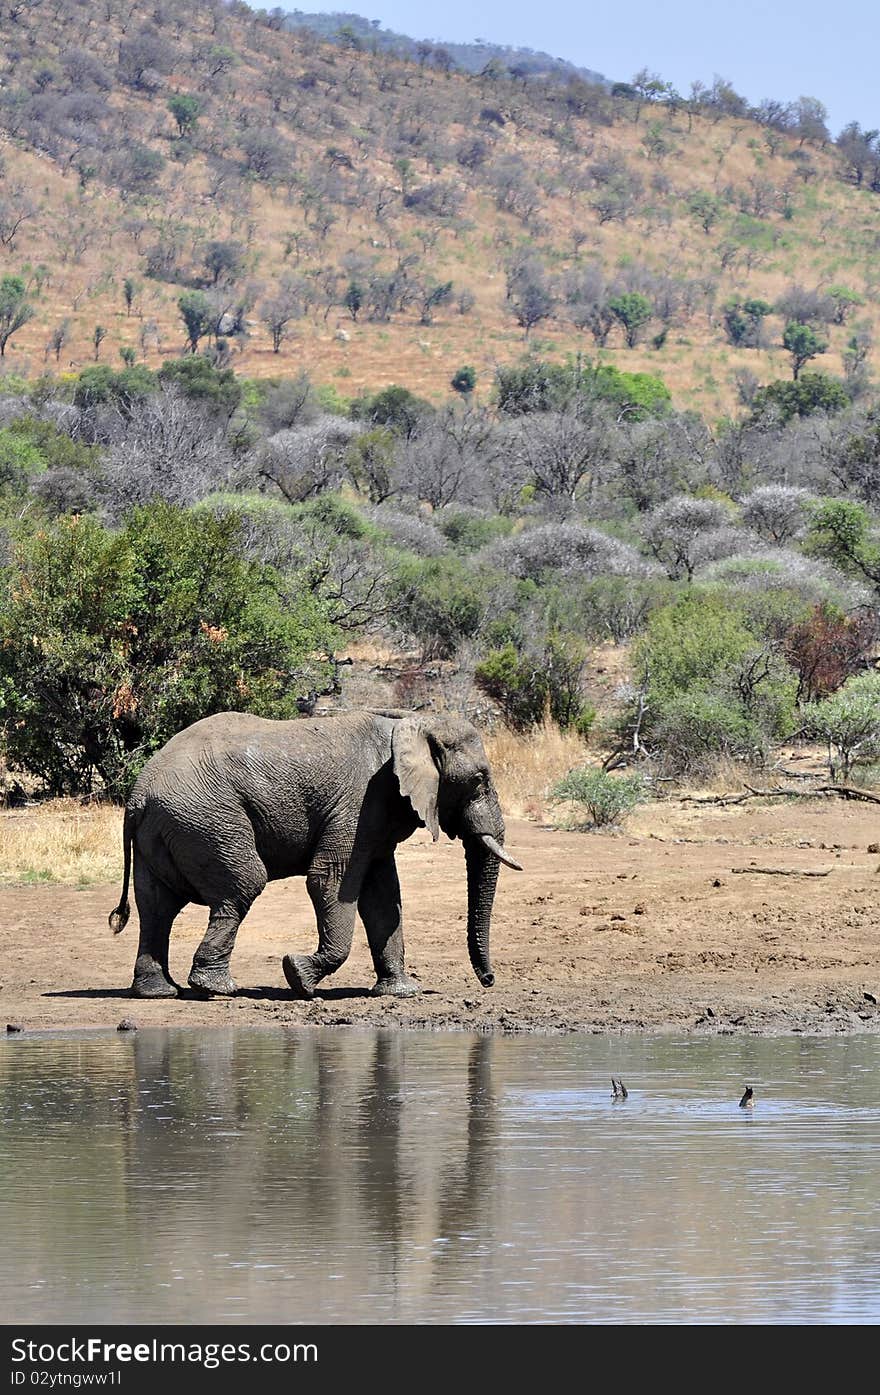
(496, 848)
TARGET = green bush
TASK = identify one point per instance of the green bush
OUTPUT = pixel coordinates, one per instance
(334, 513)
(693, 729)
(534, 385)
(529, 687)
(112, 642)
(687, 645)
(810, 393)
(437, 601)
(100, 384)
(714, 684)
(606, 798)
(395, 407)
(468, 532)
(201, 380)
(849, 721)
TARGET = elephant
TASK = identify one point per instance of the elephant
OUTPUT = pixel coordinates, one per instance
(235, 801)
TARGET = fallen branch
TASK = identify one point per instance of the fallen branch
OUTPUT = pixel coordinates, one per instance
(849, 792)
(781, 871)
(841, 791)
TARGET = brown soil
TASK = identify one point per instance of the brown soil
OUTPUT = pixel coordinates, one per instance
(651, 930)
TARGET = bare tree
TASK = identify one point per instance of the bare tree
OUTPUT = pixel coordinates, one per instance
(307, 460)
(165, 446)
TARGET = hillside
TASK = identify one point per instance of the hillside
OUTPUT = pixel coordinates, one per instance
(337, 193)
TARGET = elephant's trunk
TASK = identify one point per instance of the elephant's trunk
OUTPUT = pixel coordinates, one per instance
(482, 876)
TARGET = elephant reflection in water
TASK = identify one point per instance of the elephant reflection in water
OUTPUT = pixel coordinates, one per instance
(307, 1155)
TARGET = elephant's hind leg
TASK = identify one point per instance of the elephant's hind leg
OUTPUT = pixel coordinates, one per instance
(157, 906)
(380, 910)
(210, 966)
(335, 919)
(229, 889)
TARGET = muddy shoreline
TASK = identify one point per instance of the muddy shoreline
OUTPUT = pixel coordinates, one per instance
(745, 920)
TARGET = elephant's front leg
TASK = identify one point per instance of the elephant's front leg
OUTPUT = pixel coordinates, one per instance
(379, 906)
(335, 918)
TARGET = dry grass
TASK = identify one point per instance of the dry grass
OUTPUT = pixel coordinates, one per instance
(61, 841)
(525, 765)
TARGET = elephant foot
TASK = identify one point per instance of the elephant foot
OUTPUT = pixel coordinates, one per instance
(155, 986)
(151, 979)
(400, 987)
(299, 976)
(214, 982)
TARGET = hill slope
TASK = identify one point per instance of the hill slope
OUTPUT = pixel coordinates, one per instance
(341, 191)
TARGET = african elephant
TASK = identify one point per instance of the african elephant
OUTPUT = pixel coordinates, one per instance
(235, 801)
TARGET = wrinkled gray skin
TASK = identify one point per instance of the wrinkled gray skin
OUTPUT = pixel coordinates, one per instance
(235, 801)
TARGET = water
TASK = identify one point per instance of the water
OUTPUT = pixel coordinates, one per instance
(349, 1176)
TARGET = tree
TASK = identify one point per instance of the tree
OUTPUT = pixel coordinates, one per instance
(777, 511)
(827, 648)
(98, 336)
(15, 309)
(134, 168)
(532, 299)
(353, 299)
(395, 407)
(850, 723)
(706, 208)
(196, 315)
(143, 57)
(277, 315)
(130, 288)
(223, 259)
(803, 343)
(464, 380)
(841, 532)
(633, 310)
(845, 301)
(186, 109)
(813, 393)
(112, 642)
(430, 295)
(677, 532)
(743, 321)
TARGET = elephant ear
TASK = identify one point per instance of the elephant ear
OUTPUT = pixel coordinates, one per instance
(417, 775)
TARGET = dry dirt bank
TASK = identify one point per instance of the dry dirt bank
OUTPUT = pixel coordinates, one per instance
(647, 930)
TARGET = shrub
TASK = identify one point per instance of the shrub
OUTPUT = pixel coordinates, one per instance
(809, 394)
(528, 687)
(607, 798)
(112, 642)
(708, 672)
(534, 385)
(438, 601)
(849, 722)
(394, 407)
(409, 533)
(692, 730)
(569, 548)
(202, 381)
(827, 648)
(468, 532)
(612, 607)
(101, 384)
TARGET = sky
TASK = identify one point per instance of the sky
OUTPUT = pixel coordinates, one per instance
(767, 48)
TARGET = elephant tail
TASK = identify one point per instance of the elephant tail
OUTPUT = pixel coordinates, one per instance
(119, 917)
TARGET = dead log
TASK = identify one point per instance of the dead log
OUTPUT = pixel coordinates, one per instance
(840, 791)
(781, 871)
